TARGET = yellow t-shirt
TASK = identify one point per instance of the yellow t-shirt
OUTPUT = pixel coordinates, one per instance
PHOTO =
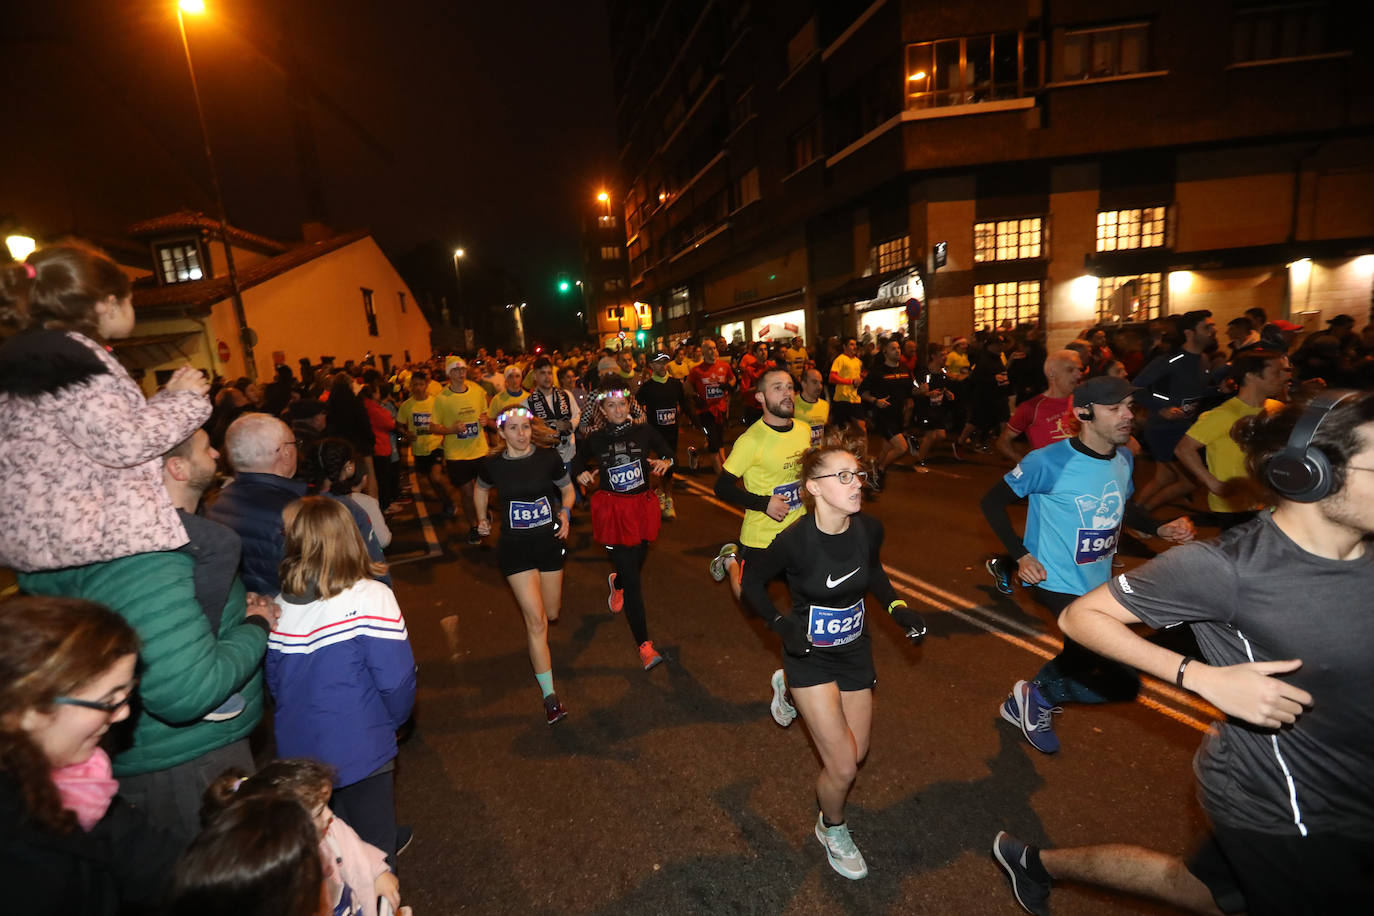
(814, 415)
(851, 368)
(956, 364)
(679, 370)
(505, 399)
(414, 417)
(435, 388)
(769, 462)
(1224, 458)
(796, 361)
(466, 410)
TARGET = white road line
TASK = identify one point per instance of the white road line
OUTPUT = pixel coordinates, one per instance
(431, 539)
(1002, 626)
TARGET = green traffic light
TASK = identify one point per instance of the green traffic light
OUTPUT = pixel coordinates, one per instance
(564, 286)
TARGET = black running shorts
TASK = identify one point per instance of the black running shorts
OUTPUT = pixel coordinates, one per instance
(520, 554)
(850, 668)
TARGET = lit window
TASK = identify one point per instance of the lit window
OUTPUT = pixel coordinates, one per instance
(1137, 298)
(967, 71)
(1278, 32)
(1008, 240)
(369, 312)
(1121, 230)
(804, 146)
(679, 302)
(1089, 54)
(606, 222)
(180, 263)
(893, 254)
(747, 188)
(610, 252)
(997, 304)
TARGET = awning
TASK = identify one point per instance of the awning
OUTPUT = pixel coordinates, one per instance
(1163, 260)
(861, 289)
(754, 304)
(154, 349)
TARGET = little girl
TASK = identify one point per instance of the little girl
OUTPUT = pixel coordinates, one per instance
(80, 447)
(339, 664)
(355, 871)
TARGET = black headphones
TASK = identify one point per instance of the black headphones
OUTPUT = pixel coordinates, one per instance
(1087, 417)
(1301, 472)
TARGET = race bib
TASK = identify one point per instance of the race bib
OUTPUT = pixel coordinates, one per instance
(468, 430)
(526, 515)
(790, 492)
(835, 626)
(816, 433)
(666, 416)
(714, 392)
(1093, 544)
(626, 477)
(421, 423)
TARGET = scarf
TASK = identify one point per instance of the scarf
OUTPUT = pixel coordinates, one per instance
(87, 788)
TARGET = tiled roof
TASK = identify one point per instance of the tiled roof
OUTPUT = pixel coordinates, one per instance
(185, 220)
(204, 293)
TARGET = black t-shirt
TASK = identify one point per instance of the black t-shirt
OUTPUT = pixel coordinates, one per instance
(661, 401)
(827, 576)
(527, 489)
(891, 382)
(622, 453)
(1252, 595)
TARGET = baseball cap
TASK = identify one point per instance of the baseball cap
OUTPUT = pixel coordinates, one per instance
(661, 358)
(1103, 389)
(454, 362)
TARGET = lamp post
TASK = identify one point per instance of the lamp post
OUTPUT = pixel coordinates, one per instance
(196, 7)
(458, 255)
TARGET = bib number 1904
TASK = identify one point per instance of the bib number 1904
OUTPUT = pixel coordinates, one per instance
(1093, 544)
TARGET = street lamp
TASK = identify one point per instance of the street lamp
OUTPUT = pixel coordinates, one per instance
(458, 255)
(20, 246)
(197, 7)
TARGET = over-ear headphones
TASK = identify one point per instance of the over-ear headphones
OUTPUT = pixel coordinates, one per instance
(1087, 417)
(1301, 472)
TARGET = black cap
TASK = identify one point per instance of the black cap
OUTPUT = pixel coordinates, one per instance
(1103, 389)
(305, 408)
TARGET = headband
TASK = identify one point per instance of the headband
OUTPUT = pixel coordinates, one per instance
(512, 412)
(614, 393)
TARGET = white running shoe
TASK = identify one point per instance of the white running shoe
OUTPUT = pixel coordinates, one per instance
(844, 856)
(783, 711)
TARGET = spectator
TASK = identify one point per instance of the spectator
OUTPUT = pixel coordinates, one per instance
(347, 418)
(383, 423)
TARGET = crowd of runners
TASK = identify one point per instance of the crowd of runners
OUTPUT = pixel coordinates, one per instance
(507, 447)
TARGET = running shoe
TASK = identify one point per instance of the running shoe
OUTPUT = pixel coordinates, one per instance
(473, 536)
(1000, 575)
(662, 502)
(1027, 710)
(875, 480)
(920, 468)
(844, 856)
(616, 599)
(648, 655)
(1031, 892)
(669, 510)
(554, 710)
(449, 513)
(783, 711)
(719, 563)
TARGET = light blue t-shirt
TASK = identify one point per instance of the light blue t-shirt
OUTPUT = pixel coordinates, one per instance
(1077, 502)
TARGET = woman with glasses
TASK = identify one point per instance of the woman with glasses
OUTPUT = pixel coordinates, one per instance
(68, 843)
(830, 558)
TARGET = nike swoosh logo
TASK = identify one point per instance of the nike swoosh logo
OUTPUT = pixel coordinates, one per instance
(829, 583)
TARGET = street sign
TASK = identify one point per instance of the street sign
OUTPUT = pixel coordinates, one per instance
(941, 253)
(223, 350)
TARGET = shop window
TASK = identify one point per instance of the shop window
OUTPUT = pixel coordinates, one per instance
(1122, 230)
(370, 312)
(180, 262)
(893, 254)
(967, 71)
(1089, 54)
(997, 304)
(1137, 298)
(1008, 239)
(1278, 32)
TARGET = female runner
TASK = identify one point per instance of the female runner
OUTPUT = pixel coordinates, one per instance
(625, 512)
(830, 557)
(528, 476)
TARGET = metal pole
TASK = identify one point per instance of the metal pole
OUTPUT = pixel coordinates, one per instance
(245, 335)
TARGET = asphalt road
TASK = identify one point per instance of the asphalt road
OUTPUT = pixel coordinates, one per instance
(673, 791)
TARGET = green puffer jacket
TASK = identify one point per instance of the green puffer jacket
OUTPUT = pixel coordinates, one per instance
(185, 671)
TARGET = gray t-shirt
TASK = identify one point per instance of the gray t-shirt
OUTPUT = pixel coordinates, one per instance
(1254, 595)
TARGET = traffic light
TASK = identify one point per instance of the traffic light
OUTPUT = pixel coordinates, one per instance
(640, 337)
(564, 283)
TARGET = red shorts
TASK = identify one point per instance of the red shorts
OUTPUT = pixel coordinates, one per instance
(625, 521)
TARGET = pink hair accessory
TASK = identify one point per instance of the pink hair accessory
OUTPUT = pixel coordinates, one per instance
(30, 271)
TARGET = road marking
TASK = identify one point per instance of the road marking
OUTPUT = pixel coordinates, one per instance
(1006, 629)
(431, 538)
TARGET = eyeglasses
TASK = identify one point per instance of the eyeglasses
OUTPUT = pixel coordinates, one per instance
(294, 443)
(105, 707)
(845, 477)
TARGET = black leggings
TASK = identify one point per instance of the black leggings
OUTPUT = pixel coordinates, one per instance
(628, 562)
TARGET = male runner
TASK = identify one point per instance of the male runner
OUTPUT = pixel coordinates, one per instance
(556, 407)
(661, 397)
(412, 418)
(846, 372)
(811, 407)
(460, 412)
(710, 382)
(1041, 418)
(888, 390)
(1281, 609)
(1079, 491)
(796, 357)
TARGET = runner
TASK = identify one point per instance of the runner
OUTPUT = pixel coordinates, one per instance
(624, 517)
(425, 447)
(1079, 490)
(887, 389)
(662, 396)
(710, 382)
(846, 372)
(811, 407)
(460, 412)
(527, 476)
(831, 560)
(556, 407)
(512, 395)
(934, 411)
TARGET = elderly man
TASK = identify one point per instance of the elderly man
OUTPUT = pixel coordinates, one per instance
(1041, 418)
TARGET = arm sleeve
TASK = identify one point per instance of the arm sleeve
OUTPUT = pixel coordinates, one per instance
(1185, 584)
(762, 569)
(1136, 516)
(118, 430)
(878, 582)
(729, 489)
(994, 506)
(390, 660)
(584, 455)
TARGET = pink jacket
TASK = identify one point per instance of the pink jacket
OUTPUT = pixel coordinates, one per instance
(355, 861)
(80, 455)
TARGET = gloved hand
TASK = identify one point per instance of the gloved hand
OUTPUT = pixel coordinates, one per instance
(793, 636)
(910, 621)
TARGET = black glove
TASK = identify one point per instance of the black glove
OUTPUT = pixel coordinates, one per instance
(793, 637)
(910, 621)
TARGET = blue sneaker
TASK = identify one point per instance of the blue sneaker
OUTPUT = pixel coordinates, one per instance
(996, 567)
(1027, 710)
(1031, 892)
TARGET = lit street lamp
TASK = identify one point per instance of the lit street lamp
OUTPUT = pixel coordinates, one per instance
(458, 255)
(20, 246)
(196, 7)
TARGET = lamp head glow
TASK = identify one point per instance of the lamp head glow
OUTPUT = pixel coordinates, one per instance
(20, 246)
(194, 7)
(459, 253)
(917, 76)
(603, 197)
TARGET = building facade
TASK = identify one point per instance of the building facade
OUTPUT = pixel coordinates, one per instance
(834, 167)
(610, 313)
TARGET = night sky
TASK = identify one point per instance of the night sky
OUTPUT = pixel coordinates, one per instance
(485, 124)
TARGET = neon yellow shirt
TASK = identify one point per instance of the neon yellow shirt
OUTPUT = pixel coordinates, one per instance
(769, 462)
(505, 399)
(851, 368)
(414, 417)
(464, 410)
(814, 415)
(796, 360)
(1224, 458)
